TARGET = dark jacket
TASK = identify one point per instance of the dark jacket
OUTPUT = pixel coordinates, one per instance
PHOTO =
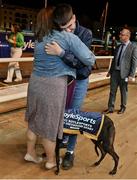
(83, 71)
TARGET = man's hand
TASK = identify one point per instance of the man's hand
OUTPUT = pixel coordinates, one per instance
(6, 37)
(131, 79)
(53, 49)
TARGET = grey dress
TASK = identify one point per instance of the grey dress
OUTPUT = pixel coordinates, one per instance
(45, 106)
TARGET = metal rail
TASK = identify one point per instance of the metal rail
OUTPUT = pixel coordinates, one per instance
(19, 91)
(28, 59)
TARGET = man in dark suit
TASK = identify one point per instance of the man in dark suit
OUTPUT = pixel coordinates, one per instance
(122, 70)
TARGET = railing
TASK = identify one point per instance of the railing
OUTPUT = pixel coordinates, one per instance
(96, 48)
(27, 59)
(14, 92)
(23, 59)
(30, 59)
(19, 91)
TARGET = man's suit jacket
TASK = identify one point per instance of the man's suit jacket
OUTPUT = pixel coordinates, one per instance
(128, 61)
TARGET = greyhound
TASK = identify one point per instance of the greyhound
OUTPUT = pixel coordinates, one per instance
(105, 143)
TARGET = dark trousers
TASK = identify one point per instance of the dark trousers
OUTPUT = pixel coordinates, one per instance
(115, 82)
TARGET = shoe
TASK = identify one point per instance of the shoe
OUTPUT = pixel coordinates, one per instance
(121, 111)
(107, 111)
(68, 161)
(29, 158)
(7, 81)
(49, 165)
(17, 80)
(52, 165)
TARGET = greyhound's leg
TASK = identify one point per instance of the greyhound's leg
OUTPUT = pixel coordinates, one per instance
(115, 157)
(109, 147)
(103, 153)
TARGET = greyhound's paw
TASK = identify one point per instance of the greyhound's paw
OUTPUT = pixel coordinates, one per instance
(57, 172)
(95, 164)
(113, 172)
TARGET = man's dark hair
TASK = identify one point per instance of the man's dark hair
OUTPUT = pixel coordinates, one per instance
(62, 14)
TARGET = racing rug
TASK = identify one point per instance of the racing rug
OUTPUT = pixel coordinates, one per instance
(79, 122)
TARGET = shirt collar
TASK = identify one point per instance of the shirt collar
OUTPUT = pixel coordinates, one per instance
(126, 43)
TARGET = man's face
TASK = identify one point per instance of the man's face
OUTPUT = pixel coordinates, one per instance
(124, 35)
(71, 25)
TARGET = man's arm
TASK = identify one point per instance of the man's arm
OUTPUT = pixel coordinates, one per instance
(131, 76)
(86, 37)
(68, 57)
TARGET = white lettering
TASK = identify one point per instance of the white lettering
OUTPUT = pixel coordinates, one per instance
(28, 44)
(79, 118)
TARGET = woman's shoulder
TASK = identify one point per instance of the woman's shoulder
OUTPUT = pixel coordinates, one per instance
(69, 34)
(20, 33)
(64, 34)
(64, 38)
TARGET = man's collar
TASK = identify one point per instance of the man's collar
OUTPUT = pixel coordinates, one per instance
(77, 27)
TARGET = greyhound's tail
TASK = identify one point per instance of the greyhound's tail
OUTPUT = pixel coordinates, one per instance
(96, 146)
(96, 149)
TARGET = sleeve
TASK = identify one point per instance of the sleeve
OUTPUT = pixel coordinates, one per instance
(133, 62)
(88, 38)
(70, 59)
(81, 51)
(20, 40)
(112, 66)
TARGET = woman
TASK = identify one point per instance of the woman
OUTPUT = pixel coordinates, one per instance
(48, 85)
(16, 40)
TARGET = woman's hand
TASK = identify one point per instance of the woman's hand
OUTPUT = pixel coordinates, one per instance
(10, 41)
(6, 37)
